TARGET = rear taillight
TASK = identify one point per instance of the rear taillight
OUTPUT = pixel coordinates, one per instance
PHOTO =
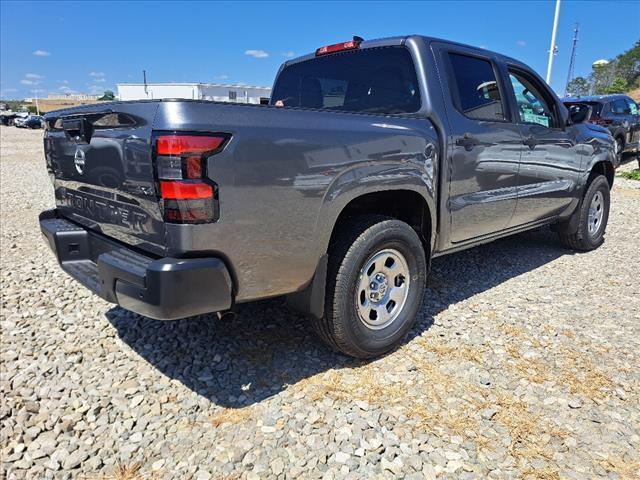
(601, 121)
(188, 195)
(339, 47)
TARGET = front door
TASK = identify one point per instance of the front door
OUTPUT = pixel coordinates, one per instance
(485, 147)
(551, 161)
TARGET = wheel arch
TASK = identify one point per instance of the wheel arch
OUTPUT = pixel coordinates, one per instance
(602, 167)
(395, 190)
(361, 202)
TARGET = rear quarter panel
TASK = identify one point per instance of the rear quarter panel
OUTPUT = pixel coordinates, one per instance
(284, 178)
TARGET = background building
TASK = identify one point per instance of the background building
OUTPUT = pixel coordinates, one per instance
(196, 91)
(72, 96)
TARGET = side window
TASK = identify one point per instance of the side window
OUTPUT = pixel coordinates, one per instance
(476, 91)
(532, 106)
(633, 107)
(233, 95)
(619, 106)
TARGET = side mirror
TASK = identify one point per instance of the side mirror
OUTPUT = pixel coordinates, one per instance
(579, 113)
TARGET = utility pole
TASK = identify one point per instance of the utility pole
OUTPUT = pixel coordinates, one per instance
(553, 49)
(37, 107)
(572, 63)
(144, 79)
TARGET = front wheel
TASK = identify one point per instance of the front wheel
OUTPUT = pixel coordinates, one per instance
(593, 215)
(619, 146)
(376, 280)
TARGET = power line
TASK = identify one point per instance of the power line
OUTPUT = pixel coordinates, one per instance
(572, 63)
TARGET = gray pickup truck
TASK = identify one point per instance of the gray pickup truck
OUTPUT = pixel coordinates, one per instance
(373, 158)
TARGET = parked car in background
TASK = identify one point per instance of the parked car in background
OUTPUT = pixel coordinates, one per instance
(373, 158)
(19, 121)
(619, 113)
(33, 121)
(7, 118)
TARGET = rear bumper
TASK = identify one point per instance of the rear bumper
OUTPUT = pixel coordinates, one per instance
(163, 288)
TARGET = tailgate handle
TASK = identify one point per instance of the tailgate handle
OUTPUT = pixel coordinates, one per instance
(78, 130)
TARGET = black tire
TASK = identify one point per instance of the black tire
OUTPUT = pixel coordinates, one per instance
(582, 240)
(619, 149)
(355, 243)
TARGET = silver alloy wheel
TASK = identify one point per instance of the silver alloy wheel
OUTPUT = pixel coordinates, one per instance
(618, 146)
(596, 211)
(383, 287)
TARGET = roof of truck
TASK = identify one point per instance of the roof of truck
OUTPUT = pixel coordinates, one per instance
(400, 40)
(596, 98)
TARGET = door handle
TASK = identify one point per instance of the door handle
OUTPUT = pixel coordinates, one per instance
(531, 142)
(467, 141)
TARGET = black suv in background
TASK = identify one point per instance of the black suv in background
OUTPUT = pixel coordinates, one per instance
(619, 113)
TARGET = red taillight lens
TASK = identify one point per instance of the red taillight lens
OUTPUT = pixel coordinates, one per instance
(338, 47)
(185, 190)
(183, 145)
(188, 195)
(600, 121)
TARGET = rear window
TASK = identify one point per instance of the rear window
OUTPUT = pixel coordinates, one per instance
(596, 107)
(476, 92)
(381, 80)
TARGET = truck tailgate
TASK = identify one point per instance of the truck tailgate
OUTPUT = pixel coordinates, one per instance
(100, 160)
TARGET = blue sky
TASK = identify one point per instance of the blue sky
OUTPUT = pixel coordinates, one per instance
(89, 47)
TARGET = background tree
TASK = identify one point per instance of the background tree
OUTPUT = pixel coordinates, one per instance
(579, 87)
(108, 95)
(618, 86)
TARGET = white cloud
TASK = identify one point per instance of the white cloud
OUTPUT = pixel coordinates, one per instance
(94, 89)
(521, 43)
(41, 53)
(101, 79)
(221, 77)
(64, 82)
(288, 54)
(96, 74)
(31, 79)
(256, 53)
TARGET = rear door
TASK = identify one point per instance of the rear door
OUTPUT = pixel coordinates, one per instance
(100, 158)
(485, 145)
(551, 161)
(634, 121)
(622, 119)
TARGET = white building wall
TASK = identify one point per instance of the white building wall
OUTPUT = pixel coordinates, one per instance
(195, 91)
(157, 90)
(234, 93)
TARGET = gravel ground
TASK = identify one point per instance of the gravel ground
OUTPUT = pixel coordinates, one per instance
(524, 363)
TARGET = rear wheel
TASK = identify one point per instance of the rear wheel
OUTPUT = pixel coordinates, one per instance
(593, 215)
(619, 146)
(376, 281)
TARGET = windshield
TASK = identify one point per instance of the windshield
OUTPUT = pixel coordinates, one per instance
(381, 80)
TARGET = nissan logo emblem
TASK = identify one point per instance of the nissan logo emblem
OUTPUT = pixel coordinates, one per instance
(79, 160)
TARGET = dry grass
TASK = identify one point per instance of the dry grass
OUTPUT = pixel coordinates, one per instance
(582, 377)
(127, 472)
(548, 473)
(233, 416)
(575, 370)
(369, 383)
(625, 469)
(426, 404)
(526, 428)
